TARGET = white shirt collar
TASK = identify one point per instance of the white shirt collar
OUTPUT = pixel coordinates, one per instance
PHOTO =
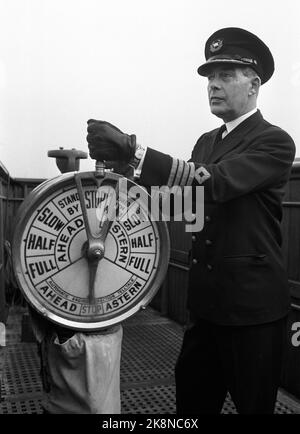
(233, 124)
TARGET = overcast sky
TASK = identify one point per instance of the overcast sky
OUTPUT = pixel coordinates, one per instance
(130, 62)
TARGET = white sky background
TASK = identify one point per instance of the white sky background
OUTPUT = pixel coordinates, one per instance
(130, 62)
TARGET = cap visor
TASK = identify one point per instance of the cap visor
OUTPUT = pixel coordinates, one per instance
(206, 67)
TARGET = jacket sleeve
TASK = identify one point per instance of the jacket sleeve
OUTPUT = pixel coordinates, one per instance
(262, 165)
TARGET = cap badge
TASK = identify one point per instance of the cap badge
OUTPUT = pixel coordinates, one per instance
(216, 45)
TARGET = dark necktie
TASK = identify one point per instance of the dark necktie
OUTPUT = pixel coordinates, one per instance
(222, 131)
(218, 139)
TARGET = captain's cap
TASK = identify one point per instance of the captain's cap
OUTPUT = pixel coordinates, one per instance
(238, 47)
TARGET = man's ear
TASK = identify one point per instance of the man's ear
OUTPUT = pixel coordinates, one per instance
(255, 85)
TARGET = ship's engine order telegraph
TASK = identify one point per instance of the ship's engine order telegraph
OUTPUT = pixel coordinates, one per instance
(87, 254)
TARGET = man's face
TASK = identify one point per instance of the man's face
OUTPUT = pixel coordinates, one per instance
(229, 92)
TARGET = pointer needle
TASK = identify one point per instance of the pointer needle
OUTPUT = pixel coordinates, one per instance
(93, 266)
(95, 248)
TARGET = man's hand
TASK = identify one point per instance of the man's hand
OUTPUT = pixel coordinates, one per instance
(107, 143)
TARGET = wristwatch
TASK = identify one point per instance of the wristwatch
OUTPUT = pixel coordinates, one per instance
(138, 155)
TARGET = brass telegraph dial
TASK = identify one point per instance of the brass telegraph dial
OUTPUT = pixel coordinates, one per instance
(87, 255)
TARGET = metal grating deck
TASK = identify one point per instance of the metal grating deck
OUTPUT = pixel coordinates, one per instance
(151, 344)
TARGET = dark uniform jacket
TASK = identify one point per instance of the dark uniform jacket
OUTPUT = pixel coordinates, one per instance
(237, 276)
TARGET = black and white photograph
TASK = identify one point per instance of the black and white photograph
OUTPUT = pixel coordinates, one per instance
(149, 211)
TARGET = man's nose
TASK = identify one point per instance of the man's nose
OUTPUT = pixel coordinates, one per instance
(214, 85)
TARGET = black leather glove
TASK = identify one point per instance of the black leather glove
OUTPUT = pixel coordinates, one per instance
(107, 143)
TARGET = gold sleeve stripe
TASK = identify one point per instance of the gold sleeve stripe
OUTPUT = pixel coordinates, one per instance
(183, 174)
(186, 174)
(179, 172)
(173, 172)
(191, 174)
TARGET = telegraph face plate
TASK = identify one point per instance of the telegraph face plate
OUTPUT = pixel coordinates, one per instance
(59, 271)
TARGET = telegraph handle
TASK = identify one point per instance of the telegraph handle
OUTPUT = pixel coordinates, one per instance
(100, 167)
(95, 246)
(122, 169)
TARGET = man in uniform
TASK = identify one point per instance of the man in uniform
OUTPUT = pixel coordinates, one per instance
(238, 290)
